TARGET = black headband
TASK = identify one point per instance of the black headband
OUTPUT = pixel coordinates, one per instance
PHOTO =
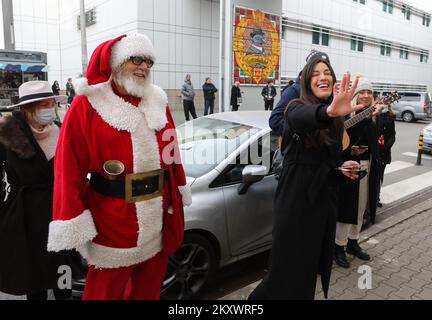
(36, 96)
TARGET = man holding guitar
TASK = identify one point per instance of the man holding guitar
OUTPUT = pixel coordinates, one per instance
(356, 195)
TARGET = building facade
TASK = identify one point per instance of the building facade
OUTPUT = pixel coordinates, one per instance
(387, 41)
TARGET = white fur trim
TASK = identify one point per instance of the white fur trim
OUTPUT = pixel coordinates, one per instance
(71, 234)
(146, 157)
(131, 45)
(82, 87)
(186, 195)
(102, 257)
(154, 107)
(121, 115)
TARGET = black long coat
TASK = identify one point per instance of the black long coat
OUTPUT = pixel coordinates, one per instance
(386, 128)
(363, 134)
(306, 204)
(25, 265)
(235, 94)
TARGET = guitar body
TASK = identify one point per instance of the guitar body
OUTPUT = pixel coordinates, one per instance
(345, 141)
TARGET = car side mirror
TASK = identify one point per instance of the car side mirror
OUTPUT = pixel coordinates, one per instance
(251, 175)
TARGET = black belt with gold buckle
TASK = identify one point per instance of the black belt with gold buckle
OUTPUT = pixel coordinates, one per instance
(135, 188)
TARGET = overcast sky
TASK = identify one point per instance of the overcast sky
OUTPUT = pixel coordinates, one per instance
(425, 5)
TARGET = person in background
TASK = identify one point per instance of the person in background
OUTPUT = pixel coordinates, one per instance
(209, 90)
(70, 91)
(28, 144)
(56, 88)
(236, 96)
(269, 93)
(386, 140)
(188, 93)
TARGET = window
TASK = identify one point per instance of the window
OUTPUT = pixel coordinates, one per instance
(388, 6)
(233, 174)
(403, 53)
(360, 1)
(321, 36)
(357, 43)
(406, 11)
(424, 58)
(386, 49)
(426, 19)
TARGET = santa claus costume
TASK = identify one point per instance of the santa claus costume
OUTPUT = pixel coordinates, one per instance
(125, 236)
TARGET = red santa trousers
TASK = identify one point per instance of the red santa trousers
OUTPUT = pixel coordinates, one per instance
(139, 282)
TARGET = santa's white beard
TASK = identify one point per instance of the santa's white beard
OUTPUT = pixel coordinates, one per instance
(133, 86)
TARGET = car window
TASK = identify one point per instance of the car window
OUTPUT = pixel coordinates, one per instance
(263, 149)
(206, 142)
(410, 97)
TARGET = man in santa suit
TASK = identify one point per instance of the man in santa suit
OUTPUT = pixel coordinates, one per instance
(125, 227)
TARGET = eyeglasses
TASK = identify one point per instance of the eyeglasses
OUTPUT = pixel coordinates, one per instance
(139, 60)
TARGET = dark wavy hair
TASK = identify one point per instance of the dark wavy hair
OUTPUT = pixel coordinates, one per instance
(328, 136)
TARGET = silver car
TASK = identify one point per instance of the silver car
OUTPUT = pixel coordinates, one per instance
(427, 139)
(227, 159)
(413, 106)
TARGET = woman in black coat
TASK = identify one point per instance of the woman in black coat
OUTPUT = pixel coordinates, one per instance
(236, 96)
(387, 138)
(28, 141)
(56, 88)
(307, 195)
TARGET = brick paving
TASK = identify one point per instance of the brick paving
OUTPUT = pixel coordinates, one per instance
(401, 252)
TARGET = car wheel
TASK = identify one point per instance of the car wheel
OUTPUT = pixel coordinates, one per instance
(189, 269)
(408, 116)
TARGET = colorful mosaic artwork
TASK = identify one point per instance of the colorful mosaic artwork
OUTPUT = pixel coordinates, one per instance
(256, 46)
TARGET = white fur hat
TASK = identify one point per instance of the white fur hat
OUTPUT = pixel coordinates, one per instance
(129, 46)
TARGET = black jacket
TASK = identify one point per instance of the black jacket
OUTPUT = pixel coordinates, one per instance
(386, 129)
(267, 91)
(209, 91)
(56, 89)
(25, 264)
(235, 94)
(363, 134)
(306, 204)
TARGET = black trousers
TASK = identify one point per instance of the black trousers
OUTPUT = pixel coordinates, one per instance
(269, 104)
(189, 108)
(209, 107)
(381, 168)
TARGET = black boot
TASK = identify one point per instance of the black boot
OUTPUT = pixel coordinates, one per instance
(354, 249)
(340, 257)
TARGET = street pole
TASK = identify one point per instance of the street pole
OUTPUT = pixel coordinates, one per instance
(8, 25)
(83, 38)
(226, 49)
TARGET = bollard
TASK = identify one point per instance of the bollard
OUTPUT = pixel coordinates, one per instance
(420, 151)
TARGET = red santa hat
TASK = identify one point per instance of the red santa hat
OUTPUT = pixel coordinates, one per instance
(112, 54)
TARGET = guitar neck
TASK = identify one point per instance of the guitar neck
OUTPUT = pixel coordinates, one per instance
(358, 118)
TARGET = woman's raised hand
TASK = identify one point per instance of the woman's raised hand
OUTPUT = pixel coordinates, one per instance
(342, 96)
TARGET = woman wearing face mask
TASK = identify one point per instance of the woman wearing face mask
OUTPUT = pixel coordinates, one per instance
(306, 199)
(28, 141)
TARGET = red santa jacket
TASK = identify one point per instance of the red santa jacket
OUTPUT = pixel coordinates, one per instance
(110, 233)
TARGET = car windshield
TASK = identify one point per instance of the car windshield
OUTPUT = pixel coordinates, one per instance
(204, 143)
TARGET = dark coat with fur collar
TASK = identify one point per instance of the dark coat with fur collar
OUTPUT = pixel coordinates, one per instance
(25, 264)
